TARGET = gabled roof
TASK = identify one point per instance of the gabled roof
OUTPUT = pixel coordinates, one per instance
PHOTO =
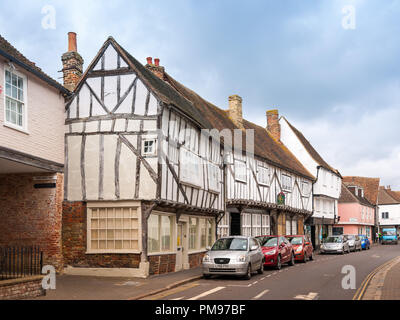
(310, 149)
(346, 196)
(265, 146)
(207, 115)
(11, 53)
(387, 196)
(370, 186)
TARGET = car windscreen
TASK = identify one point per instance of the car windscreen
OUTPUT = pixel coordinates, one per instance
(389, 233)
(268, 241)
(235, 244)
(333, 240)
(296, 240)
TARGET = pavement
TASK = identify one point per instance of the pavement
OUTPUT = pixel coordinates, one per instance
(70, 287)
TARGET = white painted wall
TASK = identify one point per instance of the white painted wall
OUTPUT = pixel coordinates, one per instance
(394, 214)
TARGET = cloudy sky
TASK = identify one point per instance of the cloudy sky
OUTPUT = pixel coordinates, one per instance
(334, 75)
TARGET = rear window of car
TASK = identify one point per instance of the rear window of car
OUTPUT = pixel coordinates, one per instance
(268, 241)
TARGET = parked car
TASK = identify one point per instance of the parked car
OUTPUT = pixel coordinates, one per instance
(365, 243)
(389, 235)
(236, 255)
(302, 247)
(277, 250)
(354, 242)
(335, 244)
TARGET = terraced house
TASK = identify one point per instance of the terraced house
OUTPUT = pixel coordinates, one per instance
(326, 188)
(31, 162)
(148, 177)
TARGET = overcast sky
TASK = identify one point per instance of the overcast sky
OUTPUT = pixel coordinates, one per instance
(335, 78)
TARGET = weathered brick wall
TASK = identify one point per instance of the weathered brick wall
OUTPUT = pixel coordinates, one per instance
(74, 242)
(196, 259)
(32, 216)
(21, 288)
(162, 263)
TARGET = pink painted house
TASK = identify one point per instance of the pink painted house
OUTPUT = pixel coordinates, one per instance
(356, 213)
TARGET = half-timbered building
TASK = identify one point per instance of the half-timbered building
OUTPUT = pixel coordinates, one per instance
(268, 191)
(143, 186)
(326, 188)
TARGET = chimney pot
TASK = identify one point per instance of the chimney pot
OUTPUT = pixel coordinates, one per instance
(72, 46)
(157, 62)
(149, 60)
(273, 125)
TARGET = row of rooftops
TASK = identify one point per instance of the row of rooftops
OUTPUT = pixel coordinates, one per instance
(266, 144)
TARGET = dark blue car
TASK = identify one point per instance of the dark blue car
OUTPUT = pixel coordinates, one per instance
(365, 243)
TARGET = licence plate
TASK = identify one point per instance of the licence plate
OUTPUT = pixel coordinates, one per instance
(222, 266)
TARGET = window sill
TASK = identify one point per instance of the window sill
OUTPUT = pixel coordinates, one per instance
(14, 127)
(112, 252)
(161, 253)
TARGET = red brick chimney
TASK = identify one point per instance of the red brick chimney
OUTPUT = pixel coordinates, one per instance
(273, 126)
(158, 70)
(72, 64)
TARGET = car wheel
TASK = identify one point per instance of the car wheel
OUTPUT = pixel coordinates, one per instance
(278, 263)
(312, 256)
(248, 274)
(343, 251)
(291, 262)
(261, 270)
(305, 257)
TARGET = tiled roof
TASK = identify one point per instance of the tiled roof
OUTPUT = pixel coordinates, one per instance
(310, 149)
(386, 196)
(346, 196)
(11, 53)
(370, 186)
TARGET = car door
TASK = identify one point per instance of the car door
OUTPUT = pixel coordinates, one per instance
(253, 254)
(284, 249)
(308, 247)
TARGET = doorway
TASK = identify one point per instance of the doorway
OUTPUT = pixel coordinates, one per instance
(181, 246)
(235, 224)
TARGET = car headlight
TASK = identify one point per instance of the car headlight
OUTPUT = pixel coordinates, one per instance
(270, 253)
(241, 258)
(299, 249)
(206, 258)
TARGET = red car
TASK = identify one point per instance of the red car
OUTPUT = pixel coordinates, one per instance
(277, 250)
(302, 247)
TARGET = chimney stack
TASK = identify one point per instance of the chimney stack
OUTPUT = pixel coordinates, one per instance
(235, 110)
(273, 126)
(72, 64)
(156, 68)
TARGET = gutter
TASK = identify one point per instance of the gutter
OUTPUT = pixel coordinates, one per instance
(41, 76)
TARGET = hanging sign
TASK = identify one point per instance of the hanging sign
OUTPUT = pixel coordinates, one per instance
(281, 198)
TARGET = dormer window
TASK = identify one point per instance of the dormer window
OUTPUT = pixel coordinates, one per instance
(15, 109)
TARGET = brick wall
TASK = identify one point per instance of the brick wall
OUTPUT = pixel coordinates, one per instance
(74, 242)
(21, 288)
(162, 263)
(32, 216)
(195, 259)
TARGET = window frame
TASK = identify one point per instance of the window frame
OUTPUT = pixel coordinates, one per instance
(244, 166)
(90, 250)
(154, 151)
(284, 187)
(263, 183)
(24, 127)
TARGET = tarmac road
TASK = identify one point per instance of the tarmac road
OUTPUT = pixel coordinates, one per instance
(319, 279)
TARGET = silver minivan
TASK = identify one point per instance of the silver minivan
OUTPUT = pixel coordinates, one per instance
(235, 255)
